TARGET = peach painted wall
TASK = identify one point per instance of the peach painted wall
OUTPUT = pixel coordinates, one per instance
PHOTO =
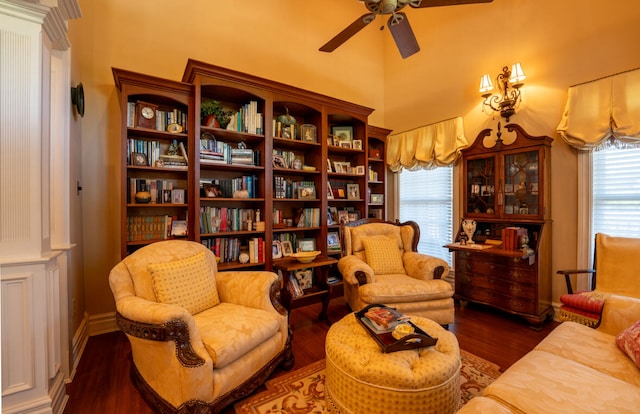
(559, 43)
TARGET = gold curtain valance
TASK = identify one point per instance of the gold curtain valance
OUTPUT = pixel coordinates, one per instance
(435, 145)
(602, 109)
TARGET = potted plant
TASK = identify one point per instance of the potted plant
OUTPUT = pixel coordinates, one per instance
(213, 114)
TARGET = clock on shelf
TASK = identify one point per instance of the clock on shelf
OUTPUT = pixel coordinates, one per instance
(146, 115)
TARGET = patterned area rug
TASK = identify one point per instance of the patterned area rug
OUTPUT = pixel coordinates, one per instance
(302, 391)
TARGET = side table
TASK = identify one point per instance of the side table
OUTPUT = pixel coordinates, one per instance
(320, 291)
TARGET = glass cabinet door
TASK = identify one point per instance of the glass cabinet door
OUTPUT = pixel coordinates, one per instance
(480, 186)
(521, 183)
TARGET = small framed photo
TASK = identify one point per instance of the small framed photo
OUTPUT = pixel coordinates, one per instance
(177, 196)
(357, 144)
(306, 192)
(329, 191)
(334, 214)
(353, 191)
(342, 166)
(360, 170)
(276, 249)
(306, 245)
(330, 140)
(353, 216)
(377, 198)
(337, 165)
(308, 133)
(343, 133)
(305, 278)
(279, 161)
(341, 193)
(287, 248)
(139, 159)
(343, 216)
(333, 241)
(345, 144)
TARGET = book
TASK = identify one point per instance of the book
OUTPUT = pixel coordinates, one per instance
(383, 316)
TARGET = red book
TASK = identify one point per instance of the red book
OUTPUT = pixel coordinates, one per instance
(260, 250)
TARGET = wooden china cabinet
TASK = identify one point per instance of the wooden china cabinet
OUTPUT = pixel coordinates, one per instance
(506, 191)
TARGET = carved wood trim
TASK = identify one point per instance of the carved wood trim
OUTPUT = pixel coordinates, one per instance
(174, 330)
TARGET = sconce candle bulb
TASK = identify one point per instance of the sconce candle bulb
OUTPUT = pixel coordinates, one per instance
(509, 83)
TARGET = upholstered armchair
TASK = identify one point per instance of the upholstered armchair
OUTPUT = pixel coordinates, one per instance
(615, 271)
(200, 339)
(381, 265)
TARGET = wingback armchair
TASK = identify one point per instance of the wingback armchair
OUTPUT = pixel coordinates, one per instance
(200, 339)
(381, 264)
(615, 271)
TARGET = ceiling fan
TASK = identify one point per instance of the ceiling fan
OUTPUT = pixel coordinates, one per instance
(398, 23)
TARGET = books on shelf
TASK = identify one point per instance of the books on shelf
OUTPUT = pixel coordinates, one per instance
(141, 228)
(221, 219)
(511, 237)
(225, 187)
(164, 118)
(228, 249)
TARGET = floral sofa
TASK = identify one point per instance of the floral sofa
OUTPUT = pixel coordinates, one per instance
(575, 369)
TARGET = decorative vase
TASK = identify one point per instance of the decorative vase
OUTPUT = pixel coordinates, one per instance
(469, 229)
(210, 121)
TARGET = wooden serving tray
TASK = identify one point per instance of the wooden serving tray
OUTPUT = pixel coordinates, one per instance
(386, 341)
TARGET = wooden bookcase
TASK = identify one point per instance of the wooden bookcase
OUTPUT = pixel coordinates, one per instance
(144, 140)
(507, 186)
(377, 172)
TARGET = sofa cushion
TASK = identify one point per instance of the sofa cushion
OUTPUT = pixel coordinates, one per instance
(592, 348)
(230, 331)
(383, 255)
(189, 283)
(541, 382)
(399, 288)
(629, 341)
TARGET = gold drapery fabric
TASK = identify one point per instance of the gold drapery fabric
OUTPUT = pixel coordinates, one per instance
(604, 109)
(435, 145)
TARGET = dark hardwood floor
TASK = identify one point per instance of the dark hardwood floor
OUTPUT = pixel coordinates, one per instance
(102, 383)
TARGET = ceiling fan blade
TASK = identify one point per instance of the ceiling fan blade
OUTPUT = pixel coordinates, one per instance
(348, 32)
(438, 3)
(403, 35)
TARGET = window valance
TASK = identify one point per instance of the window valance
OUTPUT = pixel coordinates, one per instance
(603, 109)
(430, 146)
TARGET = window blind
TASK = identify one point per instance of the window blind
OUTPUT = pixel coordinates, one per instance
(616, 192)
(426, 197)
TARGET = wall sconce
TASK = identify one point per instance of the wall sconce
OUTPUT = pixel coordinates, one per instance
(509, 82)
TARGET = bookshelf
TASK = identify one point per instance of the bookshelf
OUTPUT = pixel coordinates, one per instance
(377, 172)
(156, 146)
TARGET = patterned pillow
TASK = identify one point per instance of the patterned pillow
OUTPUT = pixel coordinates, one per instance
(383, 255)
(629, 341)
(189, 283)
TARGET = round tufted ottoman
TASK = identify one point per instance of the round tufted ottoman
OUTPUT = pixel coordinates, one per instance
(360, 378)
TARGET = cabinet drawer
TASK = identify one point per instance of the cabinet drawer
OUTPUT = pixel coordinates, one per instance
(490, 268)
(507, 287)
(500, 300)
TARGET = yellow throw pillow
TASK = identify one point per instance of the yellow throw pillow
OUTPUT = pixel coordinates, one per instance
(383, 255)
(189, 283)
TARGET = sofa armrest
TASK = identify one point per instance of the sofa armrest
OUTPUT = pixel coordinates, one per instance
(619, 313)
(350, 266)
(253, 289)
(425, 267)
(161, 322)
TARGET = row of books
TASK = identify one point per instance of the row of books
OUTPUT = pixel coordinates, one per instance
(141, 228)
(213, 151)
(293, 286)
(285, 188)
(226, 187)
(162, 191)
(154, 152)
(163, 118)
(310, 217)
(511, 237)
(228, 249)
(220, 219)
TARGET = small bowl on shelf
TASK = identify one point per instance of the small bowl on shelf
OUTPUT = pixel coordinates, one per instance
(306, 257)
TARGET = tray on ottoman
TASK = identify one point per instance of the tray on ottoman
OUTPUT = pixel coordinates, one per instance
(385, 339)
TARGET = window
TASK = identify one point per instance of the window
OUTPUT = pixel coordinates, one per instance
(426, 197)
(615, 203)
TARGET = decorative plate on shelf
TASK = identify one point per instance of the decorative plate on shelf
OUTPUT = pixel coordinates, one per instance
(306, 257)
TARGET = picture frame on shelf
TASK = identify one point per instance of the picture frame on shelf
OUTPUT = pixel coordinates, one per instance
(306, 244)
(377, 199)
(177, 196)
(357, 144)
(276, 249)
(353, 192)
(342, 166)
(343, 216)
(279, 161)
(345, 144)
(306, 192)
(341, 193)
(139, 159)
(353, 216)
(333, 241)
(329, 169)
(344, 133)
(287, 248)
(360, 170)
(329, 191)
(330, 140)
(334, 214)
(308, 133)
(305, 277)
